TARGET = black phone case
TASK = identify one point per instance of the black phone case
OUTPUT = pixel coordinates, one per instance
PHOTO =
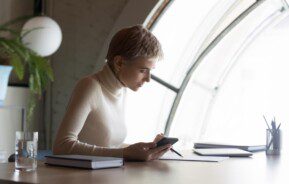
(167, 140)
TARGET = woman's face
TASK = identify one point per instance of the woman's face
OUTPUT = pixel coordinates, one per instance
(133, 74)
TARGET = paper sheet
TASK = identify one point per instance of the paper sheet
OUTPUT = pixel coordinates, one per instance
(192, 157)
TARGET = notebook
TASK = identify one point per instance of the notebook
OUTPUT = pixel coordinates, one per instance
(191, 157)
(84, 161)
(230, 152)
(251, 148)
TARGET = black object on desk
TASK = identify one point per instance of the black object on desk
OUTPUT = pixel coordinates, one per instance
(169, 140)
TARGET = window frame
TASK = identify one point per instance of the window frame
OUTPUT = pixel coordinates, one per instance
(179, 91)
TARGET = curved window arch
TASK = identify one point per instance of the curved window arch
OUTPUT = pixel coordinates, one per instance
(203, 43)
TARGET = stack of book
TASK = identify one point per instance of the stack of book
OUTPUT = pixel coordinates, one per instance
(84, 161)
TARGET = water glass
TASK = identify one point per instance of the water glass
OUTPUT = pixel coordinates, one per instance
(26, 144)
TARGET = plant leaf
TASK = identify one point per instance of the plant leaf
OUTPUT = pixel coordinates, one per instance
(14, 46)
(26, 32)
(30, 110)
(11, 31)
(17, 64)
(44, 69)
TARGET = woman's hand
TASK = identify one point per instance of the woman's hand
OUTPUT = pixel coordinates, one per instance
(158, 137)
(144, 151)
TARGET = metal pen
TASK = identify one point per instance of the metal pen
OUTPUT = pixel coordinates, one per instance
(176, 152)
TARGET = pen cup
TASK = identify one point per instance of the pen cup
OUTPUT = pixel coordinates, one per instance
(273, 142)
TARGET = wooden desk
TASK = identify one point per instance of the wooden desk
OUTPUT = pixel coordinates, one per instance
(258, 169)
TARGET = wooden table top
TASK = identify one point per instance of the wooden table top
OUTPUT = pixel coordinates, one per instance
(257, 169)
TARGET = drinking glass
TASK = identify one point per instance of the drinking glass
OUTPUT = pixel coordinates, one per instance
(26, 151)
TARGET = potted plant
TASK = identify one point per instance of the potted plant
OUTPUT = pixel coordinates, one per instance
(14, 53)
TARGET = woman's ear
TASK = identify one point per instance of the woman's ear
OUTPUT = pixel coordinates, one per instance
(118, 63)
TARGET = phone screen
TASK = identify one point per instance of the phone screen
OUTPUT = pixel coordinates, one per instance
(167, 140)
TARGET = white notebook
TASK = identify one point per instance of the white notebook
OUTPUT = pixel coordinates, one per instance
(84, 161)
(251, 148)
(191, 157)
(230, 152)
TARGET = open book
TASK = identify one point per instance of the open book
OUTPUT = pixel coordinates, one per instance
(251, 148)
(84, 161)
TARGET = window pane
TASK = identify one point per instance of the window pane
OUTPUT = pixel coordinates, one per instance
(188, 120)
(147, 111)
(256, 86)
(231, 107)
(175, 30)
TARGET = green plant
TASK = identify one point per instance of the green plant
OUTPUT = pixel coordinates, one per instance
(15, 53)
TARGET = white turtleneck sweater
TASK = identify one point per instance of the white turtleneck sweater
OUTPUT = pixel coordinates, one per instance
(94, 121)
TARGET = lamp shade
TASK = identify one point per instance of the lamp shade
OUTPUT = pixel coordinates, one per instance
(42, 35)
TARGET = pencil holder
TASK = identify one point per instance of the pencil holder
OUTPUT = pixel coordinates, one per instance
(273, 142)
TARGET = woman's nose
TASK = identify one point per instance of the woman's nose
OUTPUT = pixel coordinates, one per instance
(148, 77)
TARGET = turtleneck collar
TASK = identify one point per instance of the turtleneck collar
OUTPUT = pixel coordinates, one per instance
(108, 79)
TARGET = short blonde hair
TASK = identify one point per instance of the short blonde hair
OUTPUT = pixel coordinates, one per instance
(134, 42)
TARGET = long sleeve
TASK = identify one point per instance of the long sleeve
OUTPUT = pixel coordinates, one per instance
(81, 104)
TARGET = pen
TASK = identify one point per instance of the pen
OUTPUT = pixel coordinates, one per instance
(273, 124)
(278, 126)
(267, 125)
(266, 122)
(176, 152)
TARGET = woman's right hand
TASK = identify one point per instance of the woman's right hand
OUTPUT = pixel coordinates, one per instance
(144, 151)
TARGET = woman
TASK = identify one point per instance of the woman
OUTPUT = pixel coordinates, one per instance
(94, 121)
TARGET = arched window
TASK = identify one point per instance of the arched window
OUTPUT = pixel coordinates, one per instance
(216, 81)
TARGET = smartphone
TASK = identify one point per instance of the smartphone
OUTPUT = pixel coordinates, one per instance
(167, 140)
